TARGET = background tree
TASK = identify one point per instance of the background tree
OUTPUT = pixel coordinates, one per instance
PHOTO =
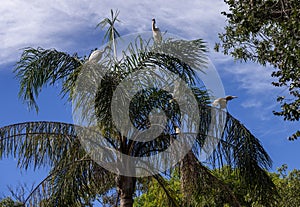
(75, 179)
(267, 32)
(288, 184)
(9, 202)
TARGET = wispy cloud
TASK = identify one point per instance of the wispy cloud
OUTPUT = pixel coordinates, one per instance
(251, 103)
(66, 24)
(36, 23)
(253, 78)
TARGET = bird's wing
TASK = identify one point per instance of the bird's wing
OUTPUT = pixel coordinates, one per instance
(223, 103)
(216, 102)
(93, 55)
(96, 55)
(157, 35)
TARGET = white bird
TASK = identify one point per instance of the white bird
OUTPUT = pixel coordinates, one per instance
(156, 33)
(177, 130)
(97, 55)
(222, 102)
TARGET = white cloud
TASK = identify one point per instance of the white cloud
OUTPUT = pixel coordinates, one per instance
(30, 24)
(48, 24)
(255, 79)
(251, 103)
(261, 106)
(67, 24)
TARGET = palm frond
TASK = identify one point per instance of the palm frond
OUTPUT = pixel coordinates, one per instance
(38, 67)
(237, 147)
(37, 143)
(73, 176)
(189, 52)
(111, 33)
(79, 183)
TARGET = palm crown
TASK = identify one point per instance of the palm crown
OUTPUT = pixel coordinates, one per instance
(75, 178)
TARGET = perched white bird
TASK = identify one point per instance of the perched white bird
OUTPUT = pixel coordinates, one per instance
(222, 102)
(156, 33)
(177, 130)
(97, 55)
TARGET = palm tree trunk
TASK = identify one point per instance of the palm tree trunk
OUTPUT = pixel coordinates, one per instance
(126, 188)
(189, 177)
(195, 177)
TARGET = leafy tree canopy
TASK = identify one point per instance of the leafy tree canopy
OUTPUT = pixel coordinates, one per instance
(268, 32)
(287, 183)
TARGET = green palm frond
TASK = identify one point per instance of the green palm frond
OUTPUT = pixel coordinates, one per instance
(38, 67)
(237, 147)
(189, 52)
(240, 148)
(81, 182)
(37, 143)
(74, 177)
(111, 33)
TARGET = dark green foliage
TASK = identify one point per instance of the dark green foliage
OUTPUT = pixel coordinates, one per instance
(216, 193)
(268, 32)
(39, 67)
(8, 202)
(74, 176)
(288, 184)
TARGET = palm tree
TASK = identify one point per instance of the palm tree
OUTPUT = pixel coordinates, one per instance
(111, 33)
(75, 178)
(236, 149)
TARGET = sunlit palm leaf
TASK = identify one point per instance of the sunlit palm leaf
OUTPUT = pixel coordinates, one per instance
(38, 67)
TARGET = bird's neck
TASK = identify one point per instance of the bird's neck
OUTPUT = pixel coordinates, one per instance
(153, 26)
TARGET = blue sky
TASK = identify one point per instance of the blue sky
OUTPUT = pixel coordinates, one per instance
(69, 26)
